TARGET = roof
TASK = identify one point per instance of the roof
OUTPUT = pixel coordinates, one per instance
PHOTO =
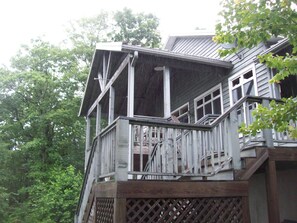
(117, 46)
(145, 55)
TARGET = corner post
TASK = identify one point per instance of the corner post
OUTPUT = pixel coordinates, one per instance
(233, 140)
(122, 150)
(267, 133)
(111, 105)
(88, 140)
(166, 89)
(130, 100)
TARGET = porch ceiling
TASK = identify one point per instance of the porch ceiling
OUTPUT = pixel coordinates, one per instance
(148, 81)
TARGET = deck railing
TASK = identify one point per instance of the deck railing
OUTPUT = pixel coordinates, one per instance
(143, 148)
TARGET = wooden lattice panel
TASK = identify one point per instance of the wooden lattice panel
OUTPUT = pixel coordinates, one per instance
(228, 209)
(104, 210)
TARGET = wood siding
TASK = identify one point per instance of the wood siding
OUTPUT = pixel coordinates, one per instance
(196, 85)
(186, 86)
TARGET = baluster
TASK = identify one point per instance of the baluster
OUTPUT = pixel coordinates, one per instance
(141, 141)
(175, 155)
(182, 150)
(195, 152)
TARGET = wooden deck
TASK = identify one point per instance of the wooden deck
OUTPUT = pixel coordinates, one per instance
(143, 201)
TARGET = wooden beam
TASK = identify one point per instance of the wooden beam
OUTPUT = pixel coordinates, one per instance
(166, 89)
(161, 189)
(111, 105)
(105, 189)
(119, 214)
(131, 81)
(98, 119)
(109, 84)
(283, 154)
(88, 140)
(272, 193)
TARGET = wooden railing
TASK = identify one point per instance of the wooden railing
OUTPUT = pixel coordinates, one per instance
(143, 148)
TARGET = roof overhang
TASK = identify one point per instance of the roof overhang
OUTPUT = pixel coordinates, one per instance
(119, 50)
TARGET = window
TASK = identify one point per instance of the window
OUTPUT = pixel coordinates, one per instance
(242, 84)
(210, 103)
(182, 113)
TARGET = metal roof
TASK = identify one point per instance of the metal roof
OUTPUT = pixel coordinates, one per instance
(165, 53)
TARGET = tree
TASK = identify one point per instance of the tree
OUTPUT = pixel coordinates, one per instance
(250, 22)
(136, 29)
(39, 128)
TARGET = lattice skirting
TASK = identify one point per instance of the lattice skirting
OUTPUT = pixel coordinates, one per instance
(104, 210)
(226, 209)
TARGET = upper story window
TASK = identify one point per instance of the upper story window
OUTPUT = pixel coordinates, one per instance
(209, 103)
(182, 113)
(242, 84)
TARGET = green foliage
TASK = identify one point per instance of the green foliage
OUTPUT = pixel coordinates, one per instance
(280, 116)
(137, 29)
(248, 23)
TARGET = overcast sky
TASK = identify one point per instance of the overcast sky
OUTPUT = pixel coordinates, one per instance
(22, 20)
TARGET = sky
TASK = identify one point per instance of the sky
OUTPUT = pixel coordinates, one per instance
(22, 20)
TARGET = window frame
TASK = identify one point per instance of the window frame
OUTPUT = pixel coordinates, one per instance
(202, 96)
(241, 73)
(183, 114)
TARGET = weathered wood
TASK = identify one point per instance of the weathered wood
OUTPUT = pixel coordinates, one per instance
(272, 193)
(111, 105)
(122, 150)
(166, 89)
(88, 140)
(119, 210)
(98, 119)
(109, 84)
(283, 154)
(234, 140)
(246, 210)
(91, 199)
(161, 189)
(105, 189)
(252, 168)
(267, 133)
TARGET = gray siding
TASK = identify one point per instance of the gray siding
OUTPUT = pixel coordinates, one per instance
(186, 86)
(204, 46)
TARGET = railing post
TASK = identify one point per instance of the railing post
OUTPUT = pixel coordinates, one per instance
(122, 150)
(234, 140)
(267, 133)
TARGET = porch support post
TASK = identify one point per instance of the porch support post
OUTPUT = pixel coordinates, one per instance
(272, 193)
(88, 136)
(166, 88)
(98, 119)
(122, 150)
(267, 133)
(111, 105)
(233, 140)
(130, 100)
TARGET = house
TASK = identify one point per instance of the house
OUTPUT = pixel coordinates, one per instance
(171, 151)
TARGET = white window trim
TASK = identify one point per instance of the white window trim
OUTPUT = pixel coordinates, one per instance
(252, 68)
(180, 107)
(219, 86)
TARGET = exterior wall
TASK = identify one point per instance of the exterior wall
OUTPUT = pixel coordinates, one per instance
(287, 187)
(204, 46)
(185, 86)
(287, 184)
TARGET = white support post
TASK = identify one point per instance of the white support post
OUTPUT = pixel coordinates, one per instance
(88, 140)
(166, 88)
(111, 105)
(267, 133)
(130, 101)
(98, 119)
(234, 140)
(122, 150)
